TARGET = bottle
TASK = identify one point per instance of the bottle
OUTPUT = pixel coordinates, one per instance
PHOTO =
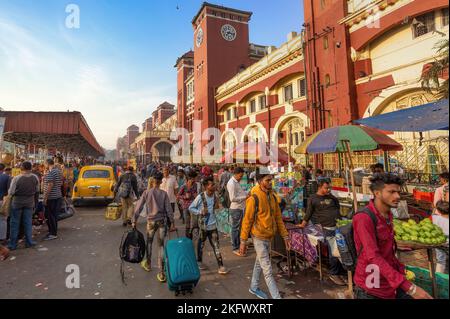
(340, 241)
(344, 252)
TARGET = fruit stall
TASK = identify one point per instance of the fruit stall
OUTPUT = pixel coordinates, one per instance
(410, 236)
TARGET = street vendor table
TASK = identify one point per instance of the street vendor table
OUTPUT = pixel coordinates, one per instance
(408, 247)
(306, 243)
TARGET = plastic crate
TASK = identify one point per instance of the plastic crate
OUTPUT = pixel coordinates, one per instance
(423, 280)
(423, 196)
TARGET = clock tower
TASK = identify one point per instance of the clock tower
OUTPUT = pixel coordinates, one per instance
(221, 49)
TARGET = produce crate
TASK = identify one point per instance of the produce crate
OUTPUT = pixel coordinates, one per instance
(423, 280)
(423, 196)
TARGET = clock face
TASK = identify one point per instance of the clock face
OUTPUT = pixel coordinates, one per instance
(228, 32)
(199, 38)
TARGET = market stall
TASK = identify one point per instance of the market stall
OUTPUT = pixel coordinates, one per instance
(346, 140)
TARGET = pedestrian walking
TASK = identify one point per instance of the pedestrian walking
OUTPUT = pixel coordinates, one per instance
(159, 216)
(374, 238)
(188, 192)
(237, 206)
(127, 189)
(261, 219)
(204, 207)
(170, 186)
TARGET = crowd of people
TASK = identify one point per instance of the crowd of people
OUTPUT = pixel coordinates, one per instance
(33, 196)
(158, 191)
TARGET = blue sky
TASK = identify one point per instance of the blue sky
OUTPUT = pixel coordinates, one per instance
(118, 66)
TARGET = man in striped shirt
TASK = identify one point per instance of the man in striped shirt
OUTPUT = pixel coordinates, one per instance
(53, 181)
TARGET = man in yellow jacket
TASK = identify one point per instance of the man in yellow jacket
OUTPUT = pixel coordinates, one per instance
(262, 219)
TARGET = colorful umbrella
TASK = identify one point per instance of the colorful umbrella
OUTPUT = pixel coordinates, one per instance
(360, 138)
(256, 153)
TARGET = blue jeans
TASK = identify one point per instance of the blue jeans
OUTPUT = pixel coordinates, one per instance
(236, 224)
(26, 214)
(442, 260)
(264, 264)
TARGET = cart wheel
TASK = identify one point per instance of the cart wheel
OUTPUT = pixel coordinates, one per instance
(184, 293)
(191, 292)
(177, 293)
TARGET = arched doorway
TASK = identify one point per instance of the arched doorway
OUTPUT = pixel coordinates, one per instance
(161, 151)
(228, 141)
(290, 134)
(255, 133)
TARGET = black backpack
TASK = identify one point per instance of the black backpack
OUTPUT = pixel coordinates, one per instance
(350, 258)
(132, 249)
(225, 198)
(126, 187)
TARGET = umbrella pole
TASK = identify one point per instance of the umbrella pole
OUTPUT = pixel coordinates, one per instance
(387, 166)
(352, 177)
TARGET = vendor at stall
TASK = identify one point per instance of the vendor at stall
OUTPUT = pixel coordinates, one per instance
(440, 218)
(441, 193)
(324, 209)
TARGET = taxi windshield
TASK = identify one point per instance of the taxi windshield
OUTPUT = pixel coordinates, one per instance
(96, 174)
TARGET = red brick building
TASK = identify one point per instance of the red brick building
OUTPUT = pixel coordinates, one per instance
(352, 59)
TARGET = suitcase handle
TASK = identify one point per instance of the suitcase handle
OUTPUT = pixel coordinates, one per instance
(168, 233)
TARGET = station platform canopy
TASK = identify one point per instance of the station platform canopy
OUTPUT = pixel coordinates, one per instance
(64, 131)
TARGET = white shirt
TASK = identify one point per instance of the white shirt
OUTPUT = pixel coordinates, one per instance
(237, 194)
(442, 222)
(169, 184)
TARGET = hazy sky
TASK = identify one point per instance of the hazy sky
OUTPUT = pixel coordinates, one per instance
(119, 65)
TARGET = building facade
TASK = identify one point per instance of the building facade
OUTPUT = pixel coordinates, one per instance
(352, 59)
(154, 143)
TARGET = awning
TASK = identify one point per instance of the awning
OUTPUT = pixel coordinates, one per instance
(422, 118)
(65, 131)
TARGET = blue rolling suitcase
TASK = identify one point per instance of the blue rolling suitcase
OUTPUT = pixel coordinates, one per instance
(182, 270)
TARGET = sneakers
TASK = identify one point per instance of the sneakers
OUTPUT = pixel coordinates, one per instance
(146, 266)
(33, 244)
(337, 280)
(50, 237)
(201, 266)
(161, 277)
(223, 271)
(258, 293)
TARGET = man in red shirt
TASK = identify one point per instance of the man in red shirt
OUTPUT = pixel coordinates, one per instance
(379, 274)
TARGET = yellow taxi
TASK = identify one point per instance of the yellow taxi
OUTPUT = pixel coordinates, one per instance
(94, 183)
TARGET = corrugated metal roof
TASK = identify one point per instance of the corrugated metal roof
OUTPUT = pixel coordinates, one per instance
(51, 129)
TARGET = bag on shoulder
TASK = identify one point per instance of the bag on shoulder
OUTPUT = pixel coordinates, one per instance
(6, 206)
(225, 198)
(125, 188)
(350, 259)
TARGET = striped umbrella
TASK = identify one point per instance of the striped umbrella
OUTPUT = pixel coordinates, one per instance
(360, 138)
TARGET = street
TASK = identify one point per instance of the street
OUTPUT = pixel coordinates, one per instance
(92, 243)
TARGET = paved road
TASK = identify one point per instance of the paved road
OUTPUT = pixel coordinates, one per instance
(92, 243)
